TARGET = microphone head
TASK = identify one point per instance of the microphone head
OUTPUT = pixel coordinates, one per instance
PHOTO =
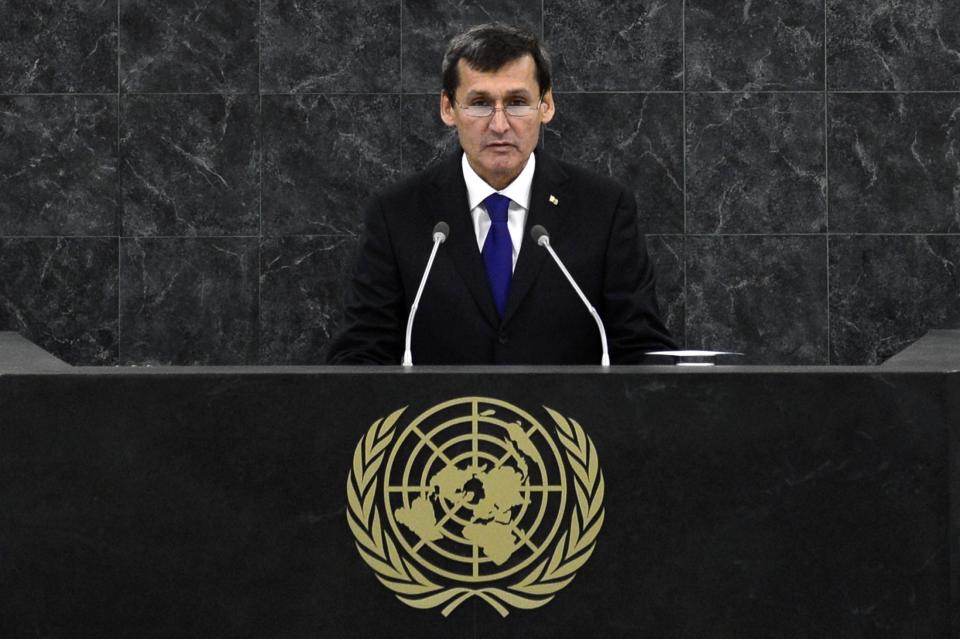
(440, 232)
(539, 235)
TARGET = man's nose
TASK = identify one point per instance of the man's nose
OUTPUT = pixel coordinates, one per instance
(498, 121)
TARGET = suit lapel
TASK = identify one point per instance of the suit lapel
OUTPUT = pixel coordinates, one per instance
(548, 182)
(449, 204)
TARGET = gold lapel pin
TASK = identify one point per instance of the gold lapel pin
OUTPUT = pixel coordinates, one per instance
(554, 200)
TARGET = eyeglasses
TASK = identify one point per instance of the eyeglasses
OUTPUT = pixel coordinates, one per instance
(486, 110)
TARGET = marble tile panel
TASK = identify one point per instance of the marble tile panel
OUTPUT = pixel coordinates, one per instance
(58, 165)
(636, 139)
(302, 282)
(61, 293)
(755, 163)
(58, 46)
(763, 296)
(424, 137)
(893, 45)
(615, 46)
(428, 27)
(188, 301)
(894, 163)
(186, 46)
(314, 46)
(667, 252)
(751, 46)
(888, 290)
(323, 156)
(189, 165)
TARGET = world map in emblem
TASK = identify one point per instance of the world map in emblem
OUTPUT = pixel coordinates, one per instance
(480, 489)
(482, 499)
(473, 500)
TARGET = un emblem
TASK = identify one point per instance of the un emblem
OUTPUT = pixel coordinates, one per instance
(475, 498)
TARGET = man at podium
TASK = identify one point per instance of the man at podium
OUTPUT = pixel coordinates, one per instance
(493, 294)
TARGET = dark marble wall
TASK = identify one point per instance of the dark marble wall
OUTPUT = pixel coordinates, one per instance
(181, 182)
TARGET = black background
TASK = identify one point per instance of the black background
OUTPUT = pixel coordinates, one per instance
(811, 503)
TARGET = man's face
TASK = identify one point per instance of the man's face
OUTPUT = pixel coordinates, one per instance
(498, 146)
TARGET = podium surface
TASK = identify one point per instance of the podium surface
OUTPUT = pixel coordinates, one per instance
(738, 501)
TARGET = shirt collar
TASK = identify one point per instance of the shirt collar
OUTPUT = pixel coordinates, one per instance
(518, 190)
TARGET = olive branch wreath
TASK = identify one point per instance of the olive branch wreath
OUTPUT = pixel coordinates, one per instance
(413, 588)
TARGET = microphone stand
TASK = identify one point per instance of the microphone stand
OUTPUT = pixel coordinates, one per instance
(542, 239)
(440, 232)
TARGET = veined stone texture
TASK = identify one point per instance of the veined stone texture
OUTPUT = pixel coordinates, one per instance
(183, 183)
(180, 46)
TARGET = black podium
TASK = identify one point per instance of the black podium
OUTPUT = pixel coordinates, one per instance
(738, 501)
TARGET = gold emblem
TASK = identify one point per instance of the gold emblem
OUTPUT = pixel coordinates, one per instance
(554, 200)
(475, 498)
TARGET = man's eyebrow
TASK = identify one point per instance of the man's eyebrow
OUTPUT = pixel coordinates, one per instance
(513, 93)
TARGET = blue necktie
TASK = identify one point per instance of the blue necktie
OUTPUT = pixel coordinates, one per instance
(498, 250)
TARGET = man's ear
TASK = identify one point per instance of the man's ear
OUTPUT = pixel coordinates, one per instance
(446, 110)
(547, 107)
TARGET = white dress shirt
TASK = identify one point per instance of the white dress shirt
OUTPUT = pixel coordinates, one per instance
(519, 193)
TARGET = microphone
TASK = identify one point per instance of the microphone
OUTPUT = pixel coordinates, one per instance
(440, 233)
(541, 238)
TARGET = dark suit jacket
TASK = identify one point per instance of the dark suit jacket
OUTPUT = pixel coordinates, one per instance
(593, 228)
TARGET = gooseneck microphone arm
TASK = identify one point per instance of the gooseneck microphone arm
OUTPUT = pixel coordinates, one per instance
(440, 233)
(541, 238)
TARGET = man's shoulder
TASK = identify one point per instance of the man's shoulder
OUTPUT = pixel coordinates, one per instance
(447, 171)
(436, 173)
(581, 178)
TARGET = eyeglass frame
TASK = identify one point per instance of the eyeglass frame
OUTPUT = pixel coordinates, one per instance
(494, 109)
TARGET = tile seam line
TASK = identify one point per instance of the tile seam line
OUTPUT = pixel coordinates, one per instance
(826, 174)
(118, 224)
(683, 142)
(400, 119)
(348, 235)
(955, 92)
(259, 321)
